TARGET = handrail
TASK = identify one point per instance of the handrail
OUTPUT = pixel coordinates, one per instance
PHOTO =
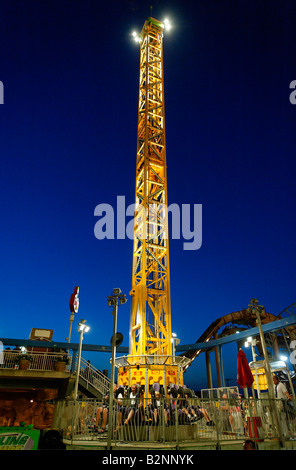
(94, 377)
(47, 361)
(37, 360)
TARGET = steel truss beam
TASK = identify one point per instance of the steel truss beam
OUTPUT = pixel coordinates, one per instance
(150, 324)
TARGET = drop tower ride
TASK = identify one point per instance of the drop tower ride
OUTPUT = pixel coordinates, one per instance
(151, 355)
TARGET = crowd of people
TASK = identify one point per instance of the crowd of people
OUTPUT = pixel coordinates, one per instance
(231, 414)
(253, 417)
(130, 406)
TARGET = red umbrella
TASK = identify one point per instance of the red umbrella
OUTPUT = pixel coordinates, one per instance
(244, 374)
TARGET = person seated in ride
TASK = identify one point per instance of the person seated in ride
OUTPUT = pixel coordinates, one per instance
(135, 404)
(102, 413)
(193, 413)
(183, 404)
(119, 408)
(174, 408)
(157, 404)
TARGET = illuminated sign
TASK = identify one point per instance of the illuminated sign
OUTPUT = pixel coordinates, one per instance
(74, 301)
(16, 439)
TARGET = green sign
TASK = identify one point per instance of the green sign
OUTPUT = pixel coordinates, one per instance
(19, 438)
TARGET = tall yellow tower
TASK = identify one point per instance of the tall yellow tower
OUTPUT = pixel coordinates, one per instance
(150, 326)
(151, 357)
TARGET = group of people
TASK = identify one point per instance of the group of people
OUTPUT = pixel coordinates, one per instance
(119, 407)
(164, 407)
(253, 418)
(131, 406)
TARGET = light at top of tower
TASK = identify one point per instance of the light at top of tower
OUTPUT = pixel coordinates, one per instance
(166, 24)
(136, 36)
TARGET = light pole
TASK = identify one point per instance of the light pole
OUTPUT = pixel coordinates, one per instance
(82, 328)
(258, 309)
(117, 298)
(175, 341)
(252, 341)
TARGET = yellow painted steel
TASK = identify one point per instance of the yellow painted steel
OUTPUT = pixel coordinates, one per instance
(151, 358)
(150, 323)
(148, 374)
(261, 379)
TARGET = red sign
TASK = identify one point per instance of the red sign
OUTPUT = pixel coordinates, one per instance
(74, 301)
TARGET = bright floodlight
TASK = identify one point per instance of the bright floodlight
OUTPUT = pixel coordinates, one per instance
(83, 327)
(136, 36)
(167, 24)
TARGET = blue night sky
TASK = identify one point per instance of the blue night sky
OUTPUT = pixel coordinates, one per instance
(68, 131)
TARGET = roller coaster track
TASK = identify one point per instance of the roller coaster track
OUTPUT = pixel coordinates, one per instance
(240, 321)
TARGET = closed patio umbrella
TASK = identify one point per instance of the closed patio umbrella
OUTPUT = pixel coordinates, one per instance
(245, 379)
(244, 375)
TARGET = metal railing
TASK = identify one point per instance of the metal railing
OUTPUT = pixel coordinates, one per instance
(50, 361)
(146, 359)
(37, 360)
(94, 377)
(175, 421)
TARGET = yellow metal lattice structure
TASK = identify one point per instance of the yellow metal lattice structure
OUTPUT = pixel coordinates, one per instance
(150, 325)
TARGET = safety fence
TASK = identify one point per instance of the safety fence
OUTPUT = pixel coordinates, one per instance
(35, 360)
(89, 376)
(175, 421)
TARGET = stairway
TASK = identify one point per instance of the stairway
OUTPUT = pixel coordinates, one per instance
(92, 382)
